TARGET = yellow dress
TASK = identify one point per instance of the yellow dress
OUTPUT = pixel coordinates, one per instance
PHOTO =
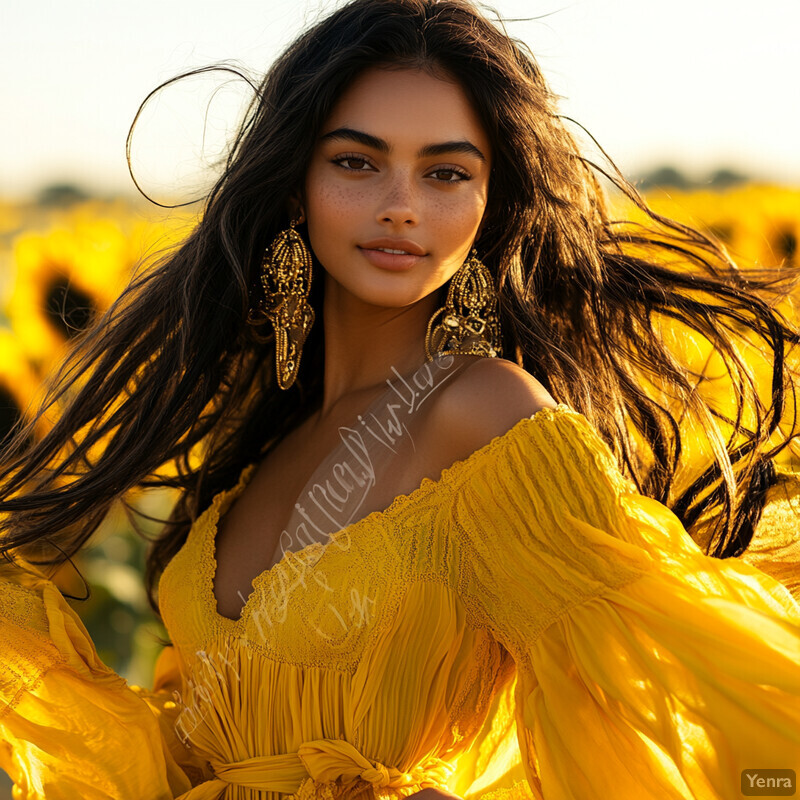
(526, 626)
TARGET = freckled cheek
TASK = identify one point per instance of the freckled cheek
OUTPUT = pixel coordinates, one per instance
(454, 220)
(334, 209)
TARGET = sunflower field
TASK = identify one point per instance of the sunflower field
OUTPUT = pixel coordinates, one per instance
(62, 265)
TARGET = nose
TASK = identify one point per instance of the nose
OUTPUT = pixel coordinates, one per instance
(399, 205)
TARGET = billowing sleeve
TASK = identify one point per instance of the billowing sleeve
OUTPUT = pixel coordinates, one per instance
(646, 670)
(71, 728)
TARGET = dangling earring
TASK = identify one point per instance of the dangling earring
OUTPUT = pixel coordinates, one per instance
(469, 323)
(286, 282)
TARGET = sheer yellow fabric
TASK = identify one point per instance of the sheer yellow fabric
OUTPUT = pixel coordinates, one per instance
(72, 728)
(526, 626)
(645, 668)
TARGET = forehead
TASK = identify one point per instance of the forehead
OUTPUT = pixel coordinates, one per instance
(408, 105)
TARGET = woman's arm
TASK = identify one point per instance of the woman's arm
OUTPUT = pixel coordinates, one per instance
(645, 668)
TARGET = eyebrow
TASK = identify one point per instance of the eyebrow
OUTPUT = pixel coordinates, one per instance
(437, 149)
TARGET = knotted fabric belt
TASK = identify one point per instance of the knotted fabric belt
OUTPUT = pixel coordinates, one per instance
(323, 760)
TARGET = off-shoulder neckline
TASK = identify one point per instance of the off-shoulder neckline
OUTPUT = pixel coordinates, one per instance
(209, 519)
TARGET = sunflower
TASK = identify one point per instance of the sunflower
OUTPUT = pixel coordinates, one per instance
(64, 277)
(19, 386)
(61, 280)
(780, 220)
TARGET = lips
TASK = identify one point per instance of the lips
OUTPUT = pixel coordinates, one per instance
(390, 261)
(407, 245)
(394, 252)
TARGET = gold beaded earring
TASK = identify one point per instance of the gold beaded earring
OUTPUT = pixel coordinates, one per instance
(469, 323)
(286, 282)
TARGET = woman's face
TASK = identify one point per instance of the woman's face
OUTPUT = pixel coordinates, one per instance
(403, 155)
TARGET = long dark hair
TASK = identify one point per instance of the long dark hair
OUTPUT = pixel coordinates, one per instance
(173, 371)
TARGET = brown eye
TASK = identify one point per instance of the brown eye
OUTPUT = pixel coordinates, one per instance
(358, 159)
(462, 176)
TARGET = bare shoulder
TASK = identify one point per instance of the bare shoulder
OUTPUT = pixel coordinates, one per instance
(484, 400)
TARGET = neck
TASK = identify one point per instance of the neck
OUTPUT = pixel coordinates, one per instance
(366, 345)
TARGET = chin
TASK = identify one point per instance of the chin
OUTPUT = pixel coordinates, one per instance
(391, 291)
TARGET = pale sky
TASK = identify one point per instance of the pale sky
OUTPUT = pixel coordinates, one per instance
(696, 83)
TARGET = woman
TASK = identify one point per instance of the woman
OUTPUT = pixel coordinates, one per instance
(475, 597)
